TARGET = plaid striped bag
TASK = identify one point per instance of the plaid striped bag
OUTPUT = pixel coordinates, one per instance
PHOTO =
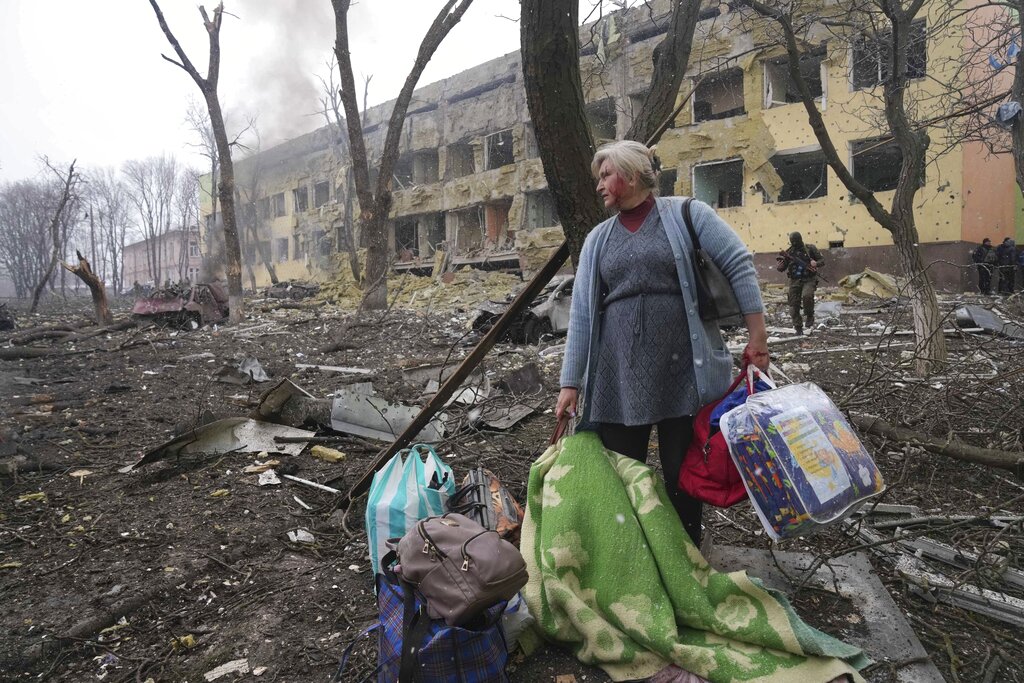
(413, 648)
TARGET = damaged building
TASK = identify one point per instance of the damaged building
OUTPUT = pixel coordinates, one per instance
(469, 188)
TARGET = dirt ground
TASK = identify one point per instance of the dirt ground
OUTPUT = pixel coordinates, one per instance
(195, 554)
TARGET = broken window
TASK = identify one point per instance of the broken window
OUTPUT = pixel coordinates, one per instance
(403, 171)
(277, 204)
(877, 163)
(803, 176)
(424, 167)
(467, 228)
(460, 160)
(321, 193)
(719, 184)
(498, 149)
(601, 116)
(540, 210)
(320, 243)
(281, 249)
(433, 225)
(496, 221)
(780, 88)
(301, 197)
(407, 240)
(193, 249)
(836, 244)
(719, 97)
(667, 182)
(871, 56)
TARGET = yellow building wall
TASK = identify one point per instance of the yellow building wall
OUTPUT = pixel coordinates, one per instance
(848, 114)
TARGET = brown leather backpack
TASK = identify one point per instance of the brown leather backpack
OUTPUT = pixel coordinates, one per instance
(459, 567)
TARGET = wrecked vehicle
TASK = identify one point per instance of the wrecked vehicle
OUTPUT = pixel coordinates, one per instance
(201, 304)
(293, 289)
(547, 317)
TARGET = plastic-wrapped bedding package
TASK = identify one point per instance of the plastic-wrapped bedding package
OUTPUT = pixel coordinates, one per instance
(801, 463)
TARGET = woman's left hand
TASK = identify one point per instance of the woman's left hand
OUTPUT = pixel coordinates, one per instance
(756, 354)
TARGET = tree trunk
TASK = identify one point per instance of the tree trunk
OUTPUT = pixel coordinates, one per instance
(554, 96)
(1017, 95)
(375, 287)
(226, 194)
(930, 353)
(99, 293)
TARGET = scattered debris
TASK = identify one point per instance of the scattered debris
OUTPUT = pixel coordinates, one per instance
(872, 283)
(301, 536)
(327, 454)
(261, 467)
(548, 316)
(334, 368)
(247, 371)
(293, 289)
(238, 666)
(233, 434)
(935, 586)
(313, 484)
(358, 410)
(971, 316)
(7, 321)
(268, 478)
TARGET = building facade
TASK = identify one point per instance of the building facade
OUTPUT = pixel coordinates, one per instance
(170, 258)
(470, 188)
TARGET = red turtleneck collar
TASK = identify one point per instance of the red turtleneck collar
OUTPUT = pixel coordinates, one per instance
(633, 218)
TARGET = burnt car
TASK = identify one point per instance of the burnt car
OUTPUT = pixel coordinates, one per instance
(182, 306)
(547, 317)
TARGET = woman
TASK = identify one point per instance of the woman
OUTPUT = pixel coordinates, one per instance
(637, 348)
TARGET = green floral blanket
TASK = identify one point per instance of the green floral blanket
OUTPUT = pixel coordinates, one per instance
(614, 576)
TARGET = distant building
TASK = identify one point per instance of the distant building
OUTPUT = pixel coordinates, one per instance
(175, 256)
(469, 182)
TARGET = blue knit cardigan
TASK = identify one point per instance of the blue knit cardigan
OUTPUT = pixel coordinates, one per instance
(712, 362)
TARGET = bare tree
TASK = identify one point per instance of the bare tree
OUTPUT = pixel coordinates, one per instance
(26, 208)
(186, 204)
(226, 184)
(110, 208)
(58, 228)
(152, 186)
(375, 203)
(83, 271)
(888, 27)
(554, 94)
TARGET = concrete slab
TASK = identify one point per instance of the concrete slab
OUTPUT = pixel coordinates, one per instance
(882, 631)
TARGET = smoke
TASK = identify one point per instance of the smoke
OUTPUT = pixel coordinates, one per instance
(279, 86)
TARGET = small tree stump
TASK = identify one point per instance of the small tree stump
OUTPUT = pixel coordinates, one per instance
(99, 292)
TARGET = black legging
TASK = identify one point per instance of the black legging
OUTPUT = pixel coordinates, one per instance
(673, 439)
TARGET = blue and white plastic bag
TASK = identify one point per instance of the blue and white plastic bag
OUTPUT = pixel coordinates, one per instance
(404, 492)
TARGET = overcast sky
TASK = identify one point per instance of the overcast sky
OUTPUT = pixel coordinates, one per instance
(84, 78)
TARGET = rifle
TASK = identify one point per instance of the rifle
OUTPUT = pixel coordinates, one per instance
(786, 256)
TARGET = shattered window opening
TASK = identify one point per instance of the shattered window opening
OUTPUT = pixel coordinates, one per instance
(193, 249)
(320, 243)
(602, 118)
(407, 240)
(403, 171)
(496, 222)
(460, 161)
(719, 183)
(467, 228)
(877, 164)
(436, 237)
(804, 176)
(281, 249)
(424, 167)
(321, 193)
(540, 210)
(719, 97)
(277, 205)
(781, 89)
(870, 60)
(836, 244)
(667, 182)
(498, 149)
(301, 197)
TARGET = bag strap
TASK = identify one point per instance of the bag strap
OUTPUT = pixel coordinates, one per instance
(688, 220)
(560, 429)
(347, 652)
(753, 374)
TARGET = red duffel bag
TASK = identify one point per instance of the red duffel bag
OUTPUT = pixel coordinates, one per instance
(708, 472)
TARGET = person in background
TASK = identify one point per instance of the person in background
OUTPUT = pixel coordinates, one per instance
(985, 258)
(1006, 258)
(637, 352)
(800, 263)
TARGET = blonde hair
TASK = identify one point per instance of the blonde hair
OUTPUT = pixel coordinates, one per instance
(630, 158)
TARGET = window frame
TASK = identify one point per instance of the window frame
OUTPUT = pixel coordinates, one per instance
(719, 162)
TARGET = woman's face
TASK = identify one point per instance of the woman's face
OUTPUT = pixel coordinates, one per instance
(614, 188)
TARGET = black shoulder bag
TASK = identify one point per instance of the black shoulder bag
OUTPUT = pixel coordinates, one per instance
(715, 296)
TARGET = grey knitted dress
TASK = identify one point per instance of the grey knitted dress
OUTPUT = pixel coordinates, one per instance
(644, 372)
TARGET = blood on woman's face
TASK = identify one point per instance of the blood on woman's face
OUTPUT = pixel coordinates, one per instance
(615, 190)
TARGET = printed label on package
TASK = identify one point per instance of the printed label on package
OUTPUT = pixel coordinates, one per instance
(813, 453)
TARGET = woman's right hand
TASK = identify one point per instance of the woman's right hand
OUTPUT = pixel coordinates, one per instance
(566, 405)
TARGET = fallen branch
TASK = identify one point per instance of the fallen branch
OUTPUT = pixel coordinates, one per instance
(1013, 462)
